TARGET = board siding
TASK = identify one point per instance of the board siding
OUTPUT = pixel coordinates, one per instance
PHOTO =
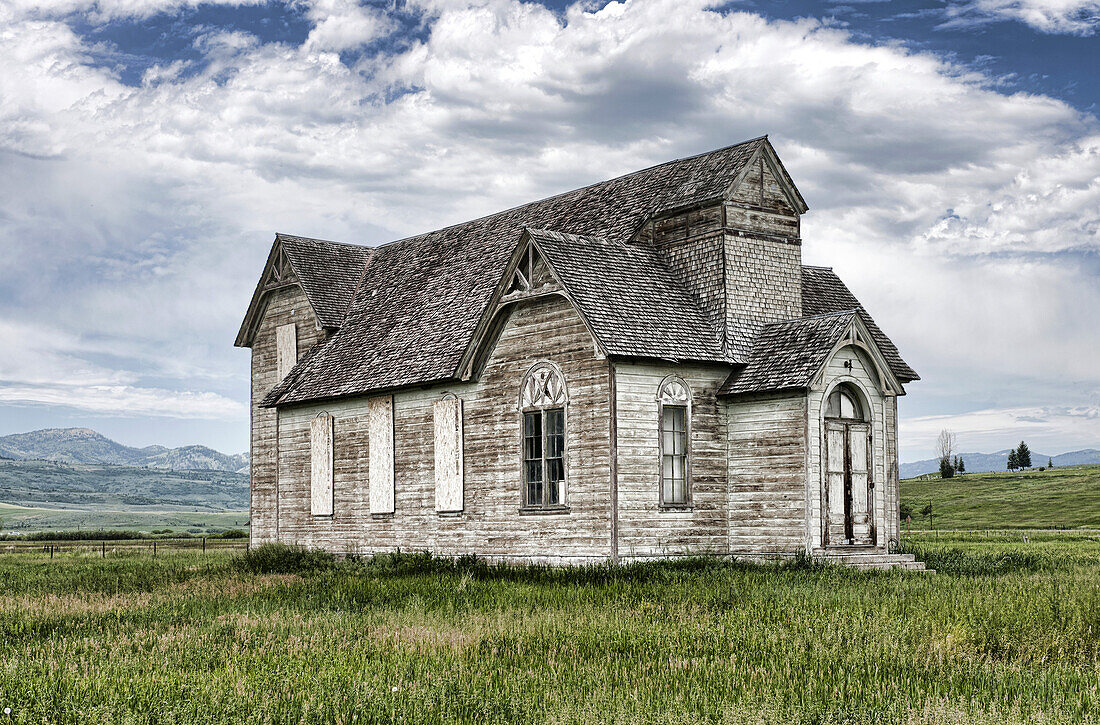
(645, 529)
(767, 475)
(282, 306)
(490, 523)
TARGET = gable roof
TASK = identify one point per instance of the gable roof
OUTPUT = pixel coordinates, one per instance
(630, 298)
(420, 300)
(823, 292)
(787, 355)
(328, 273)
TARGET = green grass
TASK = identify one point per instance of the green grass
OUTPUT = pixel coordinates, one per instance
(23, 519)
(1058, 498)
(276, 636)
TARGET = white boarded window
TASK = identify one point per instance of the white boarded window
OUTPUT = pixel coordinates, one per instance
(286, 349)
(448, 453)
(380, 431)
(320, 460)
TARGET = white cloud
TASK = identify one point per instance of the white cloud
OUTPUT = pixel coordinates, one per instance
(344, 25)
(101, 11)
(144, 213)
(1076, 17)
(1050, 429)
(128, 401)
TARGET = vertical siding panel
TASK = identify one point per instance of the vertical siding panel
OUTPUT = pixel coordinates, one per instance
(320, 453)
(448, 454)
(380, 417)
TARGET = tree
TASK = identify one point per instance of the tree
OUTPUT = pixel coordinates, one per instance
(946, 446)
(927, 511)
(960, 466)
(1050, 463)
(1013, 460)
(1023, 456)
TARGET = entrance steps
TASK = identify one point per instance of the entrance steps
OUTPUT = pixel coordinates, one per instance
(868, 559)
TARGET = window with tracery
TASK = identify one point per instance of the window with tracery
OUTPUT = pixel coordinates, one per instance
(543, 402)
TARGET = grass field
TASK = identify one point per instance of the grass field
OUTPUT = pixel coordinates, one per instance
(23, 519)
(1058, 498)
(1008, 631)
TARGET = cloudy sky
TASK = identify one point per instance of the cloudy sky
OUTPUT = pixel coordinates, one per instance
(150, 149)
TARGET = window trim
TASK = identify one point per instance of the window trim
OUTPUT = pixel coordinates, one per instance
(542, 407)
(663, 399)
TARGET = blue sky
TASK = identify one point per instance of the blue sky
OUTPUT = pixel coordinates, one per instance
(949, 152)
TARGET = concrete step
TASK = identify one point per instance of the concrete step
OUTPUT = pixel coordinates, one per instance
(870, 559)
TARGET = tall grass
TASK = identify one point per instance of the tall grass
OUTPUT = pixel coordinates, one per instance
(286, 636)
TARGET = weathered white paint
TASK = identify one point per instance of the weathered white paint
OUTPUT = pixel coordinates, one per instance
(320, 457)
(286, 344)
(447, 413)
(852, 365)
(380, 432)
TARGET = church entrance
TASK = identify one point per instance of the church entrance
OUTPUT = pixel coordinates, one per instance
(849, 487)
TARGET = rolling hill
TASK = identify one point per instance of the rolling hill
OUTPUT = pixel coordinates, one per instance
(86, 446)
(983, 462)
(1057, 498)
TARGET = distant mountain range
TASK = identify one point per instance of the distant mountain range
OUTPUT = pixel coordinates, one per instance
(982, 462)
(86, 446)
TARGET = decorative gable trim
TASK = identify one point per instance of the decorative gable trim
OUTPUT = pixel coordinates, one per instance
(858, 336)
(766, 155)
(278, 273)
(529, 275)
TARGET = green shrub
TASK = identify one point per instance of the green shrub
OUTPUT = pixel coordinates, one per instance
(230, 534)
(283, 559)
(966, 563)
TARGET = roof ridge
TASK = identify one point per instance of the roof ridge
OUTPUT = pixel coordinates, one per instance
(586, 187)
(816, 266)
(283, 236)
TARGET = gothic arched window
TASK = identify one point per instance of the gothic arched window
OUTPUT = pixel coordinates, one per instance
(543, 401)
(844, 403)
(674, 413)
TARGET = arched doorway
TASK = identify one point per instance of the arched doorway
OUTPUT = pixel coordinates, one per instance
(849, 487)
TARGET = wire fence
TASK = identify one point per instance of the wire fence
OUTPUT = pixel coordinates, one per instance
(106, 547)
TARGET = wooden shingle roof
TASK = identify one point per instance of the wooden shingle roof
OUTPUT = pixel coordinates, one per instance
(420, 299)
(409, 312)
(787, 355)
(823, 292)
(630, 298)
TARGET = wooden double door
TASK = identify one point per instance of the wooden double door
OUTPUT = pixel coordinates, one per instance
(849, 485)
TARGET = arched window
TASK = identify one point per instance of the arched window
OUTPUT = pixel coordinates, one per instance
(674, 411)
(542, 401)
(844, 403)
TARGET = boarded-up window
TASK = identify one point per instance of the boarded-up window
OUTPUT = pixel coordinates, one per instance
(320, 456)
(448, 454)
(286, 349)
(380, 431)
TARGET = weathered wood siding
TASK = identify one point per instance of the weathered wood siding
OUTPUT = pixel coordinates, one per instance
(646, 529)
(283, 306)
(767, 474)
(490, 522)
(883, 444)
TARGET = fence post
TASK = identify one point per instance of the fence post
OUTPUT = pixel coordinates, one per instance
(51, 551)
(204, 544)
(154, 548)
(103, 549)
